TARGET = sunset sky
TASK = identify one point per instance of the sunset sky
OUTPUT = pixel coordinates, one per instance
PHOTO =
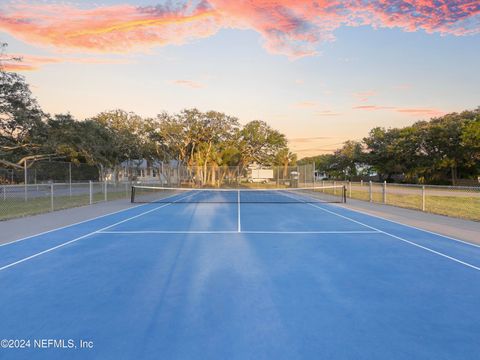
(319, 71)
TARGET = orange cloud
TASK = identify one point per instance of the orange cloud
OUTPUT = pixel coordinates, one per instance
(308, 139)
(31, 63)
(106, 29)
(290, 27)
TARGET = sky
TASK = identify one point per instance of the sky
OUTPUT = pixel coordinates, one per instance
(322, 72)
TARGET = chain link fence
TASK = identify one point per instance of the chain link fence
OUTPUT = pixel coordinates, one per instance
(41, 172)
(222, 176)
(54, 186)
(23, 200)
(457, 201)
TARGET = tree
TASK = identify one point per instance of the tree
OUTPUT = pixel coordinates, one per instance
(285, 158)
(132, 138)
(258, 142)
(81, 141)
(380, 151)
(22, 125)
(349, 158)
(470, 139)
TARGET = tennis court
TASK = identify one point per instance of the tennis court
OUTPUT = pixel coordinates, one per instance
(238, 274)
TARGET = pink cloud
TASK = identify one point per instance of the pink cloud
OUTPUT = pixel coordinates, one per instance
(305, 104)
(410, 111)
(290, 27)
(188, 83)
(364, 96)
(373, 107)
(420, 112)
(327, 113)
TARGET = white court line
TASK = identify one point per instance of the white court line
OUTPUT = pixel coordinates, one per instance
(232, 232)
(78, 223)
(393, 236)
(89, 234)
(399, 238)
(71, 225)
(239, 225)
(412, 227)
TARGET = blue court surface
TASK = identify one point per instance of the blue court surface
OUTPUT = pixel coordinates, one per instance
(234, 280)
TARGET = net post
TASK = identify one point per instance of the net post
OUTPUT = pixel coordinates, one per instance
(132, 195)
(25, 179)
(344, 197)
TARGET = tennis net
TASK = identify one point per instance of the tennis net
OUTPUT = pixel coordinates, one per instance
(154, 194)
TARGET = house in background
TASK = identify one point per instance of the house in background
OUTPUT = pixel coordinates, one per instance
(143, 171)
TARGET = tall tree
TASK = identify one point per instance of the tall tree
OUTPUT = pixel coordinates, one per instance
(22, 127)
(260, 143)
(285, 158)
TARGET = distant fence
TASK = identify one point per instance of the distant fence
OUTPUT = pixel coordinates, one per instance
(456, 201)
(28, 199)
(41, 172)
(23, 200)
(220, 176)
(48, 195)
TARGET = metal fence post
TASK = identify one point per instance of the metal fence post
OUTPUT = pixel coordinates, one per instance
(90, 191)
(51, 197)
(25, 179)
(423, 198)
(370, 194)
(126, 188)
(70, 177)
(334, 188)
(350, 189)
(361, 182)
(4, 193)
(105, 194)
(385, 192)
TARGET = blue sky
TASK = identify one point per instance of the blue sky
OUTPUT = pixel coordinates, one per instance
(319, 94)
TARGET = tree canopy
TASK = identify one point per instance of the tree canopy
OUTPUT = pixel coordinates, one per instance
(441, 150)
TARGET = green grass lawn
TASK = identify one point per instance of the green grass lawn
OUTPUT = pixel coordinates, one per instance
(17, 207)
(461, 207)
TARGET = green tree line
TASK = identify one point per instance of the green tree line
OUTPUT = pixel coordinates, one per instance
(204, 141)
(439, 151)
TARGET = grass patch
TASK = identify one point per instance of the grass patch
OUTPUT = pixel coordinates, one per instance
(465, 207)
(17, 207)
